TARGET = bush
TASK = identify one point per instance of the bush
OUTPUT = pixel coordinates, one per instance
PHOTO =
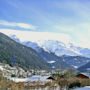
(74, 84)
(13, 75)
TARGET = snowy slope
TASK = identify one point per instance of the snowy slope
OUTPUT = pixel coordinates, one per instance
(83, 88)
(56, 52)
(59, 48)
(56, 46)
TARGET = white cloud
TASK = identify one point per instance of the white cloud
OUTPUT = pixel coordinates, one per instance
(35, 36)
(20, 25)
(81, 40)
(84, 41)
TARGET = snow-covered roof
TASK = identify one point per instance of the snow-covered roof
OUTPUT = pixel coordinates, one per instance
(31, 79)
(38, 78)
(86, 74)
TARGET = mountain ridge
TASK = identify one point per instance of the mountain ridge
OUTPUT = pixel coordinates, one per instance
(85, 67)
(59, 48)
(26, 57)
(67, 61)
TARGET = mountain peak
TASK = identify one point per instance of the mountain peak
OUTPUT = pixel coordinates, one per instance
(57, 47)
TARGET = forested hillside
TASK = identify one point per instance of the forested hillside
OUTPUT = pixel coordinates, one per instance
(25, 57)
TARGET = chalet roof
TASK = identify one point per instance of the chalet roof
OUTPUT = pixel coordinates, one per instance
(86, 74)
(51, 78)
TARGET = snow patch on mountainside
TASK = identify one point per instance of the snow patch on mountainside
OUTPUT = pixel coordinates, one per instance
(75, 66)
(51, 62)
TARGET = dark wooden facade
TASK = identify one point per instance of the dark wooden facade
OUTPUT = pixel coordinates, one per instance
(82, 76)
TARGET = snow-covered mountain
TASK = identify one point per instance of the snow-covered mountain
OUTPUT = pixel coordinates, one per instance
(14, 37)
(57, 47)
(58, 52)
(76, 61)
(33, 45)
(85, 67)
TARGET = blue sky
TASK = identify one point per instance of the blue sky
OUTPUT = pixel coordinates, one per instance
(69, 17)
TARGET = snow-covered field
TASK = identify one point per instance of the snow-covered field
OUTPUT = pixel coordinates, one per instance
(18, 79)
(33, 78)
(84, 88)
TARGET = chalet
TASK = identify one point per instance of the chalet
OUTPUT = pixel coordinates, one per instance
(83, 76)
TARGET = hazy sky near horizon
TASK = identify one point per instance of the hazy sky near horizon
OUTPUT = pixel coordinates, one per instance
(66, 17)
